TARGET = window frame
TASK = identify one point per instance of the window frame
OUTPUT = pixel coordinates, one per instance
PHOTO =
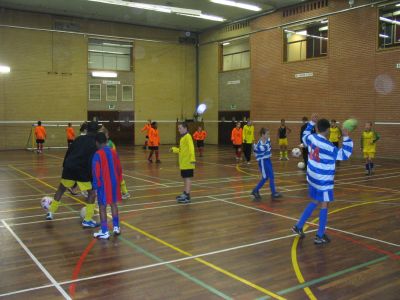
(116, 93)
(122, 93)
(90, 98)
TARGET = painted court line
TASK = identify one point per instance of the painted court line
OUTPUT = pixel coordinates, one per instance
(162, 263)
(36, 261)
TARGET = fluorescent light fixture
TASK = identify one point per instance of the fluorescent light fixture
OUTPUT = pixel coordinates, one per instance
(384, 36)
(204, 16)
(108, 52)
(301, 32)
(325, 28)
(104, 74)
(5, 69)
(226, 44)
(398, 4)
(389, 20)
(237, 4)
(118, 45)
(324, 21)
(194, 13)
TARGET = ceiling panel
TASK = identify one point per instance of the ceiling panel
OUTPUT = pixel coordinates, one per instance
(107, 12)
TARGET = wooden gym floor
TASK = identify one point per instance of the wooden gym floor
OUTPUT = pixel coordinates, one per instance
(222, 245)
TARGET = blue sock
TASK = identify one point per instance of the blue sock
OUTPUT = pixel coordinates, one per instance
(306, 214)
(104, 227)
(116, 221)
(323, 218)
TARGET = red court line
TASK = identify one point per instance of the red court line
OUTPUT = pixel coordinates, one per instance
(365, 245)
(78, 266)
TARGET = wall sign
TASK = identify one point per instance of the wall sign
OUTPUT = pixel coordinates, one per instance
(233, 106)
(111, 82)
(111, 106)
(234, 82)
(302, 75)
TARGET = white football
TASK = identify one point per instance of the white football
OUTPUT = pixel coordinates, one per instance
(301, 165)
(46, 202)
(296, 152)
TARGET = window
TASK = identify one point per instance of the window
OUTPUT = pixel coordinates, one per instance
(306, 41)
(109, 55)
(94, 92)
(389, 26)
(235, 54)
(127, 93)
(111, 92)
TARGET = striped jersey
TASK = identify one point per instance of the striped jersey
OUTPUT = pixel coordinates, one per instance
(107, 175)
(261, 150)
(322, 162)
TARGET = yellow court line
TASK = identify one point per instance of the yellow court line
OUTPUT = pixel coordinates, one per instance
(293, 253)
(153, 237)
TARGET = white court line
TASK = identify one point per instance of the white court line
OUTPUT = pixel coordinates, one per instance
(22, 196)
(120, 212)
(24, 179)
(126, 175)
(36, 261)
(290, 218)
(159, 264)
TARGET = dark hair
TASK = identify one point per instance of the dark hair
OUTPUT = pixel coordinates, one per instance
(263, 131)
(333, 121)
(184, 125)
(92, 126)
(83, 127)
(39, 123)
(304, 119)
(69, 124)
(282, 120)
(370, 123)
(101, 138)
(153, 123)
(323, 125)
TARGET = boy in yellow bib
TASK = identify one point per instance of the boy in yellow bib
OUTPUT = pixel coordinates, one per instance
(335, 134)
(187, 161)
(369, 138)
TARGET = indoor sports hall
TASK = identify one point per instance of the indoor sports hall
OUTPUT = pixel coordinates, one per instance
(250, 146)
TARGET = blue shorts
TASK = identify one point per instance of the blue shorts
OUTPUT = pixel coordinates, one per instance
(321, 196)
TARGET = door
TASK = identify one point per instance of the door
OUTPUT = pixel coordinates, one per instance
(227, 122)
(119, 124)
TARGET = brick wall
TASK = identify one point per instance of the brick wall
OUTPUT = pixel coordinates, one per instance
(355, 79)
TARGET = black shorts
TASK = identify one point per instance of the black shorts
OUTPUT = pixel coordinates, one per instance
(39, 141)
(336, 144)
(153, 147)
(200, 144)
(69, 141)
(187, 173)
(237, 146)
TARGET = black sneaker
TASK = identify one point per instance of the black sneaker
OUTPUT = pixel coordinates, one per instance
(298, 231)
(183, 198)
(150, 160)
(158, 161)
(276, 195)
(321, 240)
(256, 196)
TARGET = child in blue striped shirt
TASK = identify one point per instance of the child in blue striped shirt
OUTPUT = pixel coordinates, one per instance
(262, 151)
(321, 172)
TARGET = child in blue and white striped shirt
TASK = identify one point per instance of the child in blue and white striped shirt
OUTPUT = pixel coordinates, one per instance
(262, 151)
(321, 172)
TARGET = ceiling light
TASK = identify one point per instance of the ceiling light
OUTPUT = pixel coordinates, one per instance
(302, 32)
(159, 8)
(226, 44)
(383, 36)
(108, 52)
(389, 20)
(398, 4)
(324, 21)
(237, 4)
(117, 45)
(325, 28)
(5, 69)
(104, 74)
(204, 16)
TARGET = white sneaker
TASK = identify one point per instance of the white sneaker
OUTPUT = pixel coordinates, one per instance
(117, 230)
(49, 216)
(101, 235)
(125, 196)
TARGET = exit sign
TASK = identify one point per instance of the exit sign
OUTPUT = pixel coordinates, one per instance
(111, 106)
(398, 66)
(233, 106)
